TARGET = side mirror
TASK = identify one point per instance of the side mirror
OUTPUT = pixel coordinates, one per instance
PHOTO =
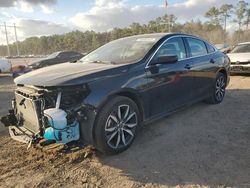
(171, 59)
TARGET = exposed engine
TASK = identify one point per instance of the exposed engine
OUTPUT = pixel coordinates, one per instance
(49, 113)
(60, 129)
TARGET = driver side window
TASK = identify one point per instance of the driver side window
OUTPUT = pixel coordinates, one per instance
(172, 47)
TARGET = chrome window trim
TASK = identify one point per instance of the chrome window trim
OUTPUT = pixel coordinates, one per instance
(182, 36)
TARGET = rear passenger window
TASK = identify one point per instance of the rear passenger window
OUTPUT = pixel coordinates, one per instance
(197, 47)
(210, 49)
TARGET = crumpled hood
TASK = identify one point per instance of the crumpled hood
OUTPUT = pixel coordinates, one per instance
(63, 74)
(241, 57)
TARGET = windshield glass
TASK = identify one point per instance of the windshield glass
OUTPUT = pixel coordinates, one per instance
(53, 55)
(241, 48)
(121, 51)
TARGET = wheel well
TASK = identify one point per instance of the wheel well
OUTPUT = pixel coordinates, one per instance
(131, 96)
(223, 71)
(134, 98)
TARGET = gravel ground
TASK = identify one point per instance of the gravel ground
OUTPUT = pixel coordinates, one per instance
(201, 146)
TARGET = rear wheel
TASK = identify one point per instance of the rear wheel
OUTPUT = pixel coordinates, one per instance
(219, 89)
(116, 125)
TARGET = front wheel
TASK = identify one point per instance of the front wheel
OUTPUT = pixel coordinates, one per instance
(219, 89)
(116, 125)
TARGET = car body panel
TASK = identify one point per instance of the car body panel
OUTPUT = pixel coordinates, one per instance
(63, 74)
(5, 66)
(239, 57)
(158, 90)
(240, 62)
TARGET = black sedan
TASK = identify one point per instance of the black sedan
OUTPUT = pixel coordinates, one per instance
(56, 58)
(105, 97)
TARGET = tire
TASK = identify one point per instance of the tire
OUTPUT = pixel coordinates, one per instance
(114, 132)
(219, 89)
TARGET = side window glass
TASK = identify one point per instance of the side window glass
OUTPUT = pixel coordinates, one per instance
(64, 54)
(60, 55)
(174, 46)
(210, 48)
(74, 54)
(197, 47)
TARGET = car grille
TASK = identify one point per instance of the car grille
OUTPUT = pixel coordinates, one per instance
(240, 63)
(28, 111)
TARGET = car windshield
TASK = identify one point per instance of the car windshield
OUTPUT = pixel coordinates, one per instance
(122, 51)
(53, 55)
(241, 48)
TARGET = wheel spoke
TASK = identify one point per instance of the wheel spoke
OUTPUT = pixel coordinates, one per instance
(112, 129)
(119, 113)
(222, 84)
(123, 138)
(112, 136)
(118, 140)
(122, 114)
(131, 125)
(114, 119)
(126, 113)
(130, 116)
(129, 132)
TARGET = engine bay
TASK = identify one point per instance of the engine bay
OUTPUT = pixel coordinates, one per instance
(50, 114)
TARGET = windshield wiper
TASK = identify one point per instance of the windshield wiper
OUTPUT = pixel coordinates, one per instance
(99, 62)
(103, 62)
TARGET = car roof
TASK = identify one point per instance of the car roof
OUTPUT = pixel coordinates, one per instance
(161, 35)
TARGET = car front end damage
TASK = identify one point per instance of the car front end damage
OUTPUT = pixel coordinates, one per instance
(48, 114)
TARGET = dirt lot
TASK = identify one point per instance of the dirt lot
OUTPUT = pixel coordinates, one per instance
(202, 146)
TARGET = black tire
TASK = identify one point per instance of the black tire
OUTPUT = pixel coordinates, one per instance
(219, 89)
(112, 128)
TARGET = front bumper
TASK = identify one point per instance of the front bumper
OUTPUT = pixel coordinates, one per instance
(27, 121)
(18, 133)
(240, 68)
(30, 121)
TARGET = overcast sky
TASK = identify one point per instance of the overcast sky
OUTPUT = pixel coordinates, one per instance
(46, 17)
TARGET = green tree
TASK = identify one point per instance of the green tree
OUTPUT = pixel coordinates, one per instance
(240, 12)
(226, 11)
(214, 15)
(247, 22)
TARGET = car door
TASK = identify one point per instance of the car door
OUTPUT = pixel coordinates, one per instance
(74, 56)
(203, 65)
(169, 85)
(63, 57)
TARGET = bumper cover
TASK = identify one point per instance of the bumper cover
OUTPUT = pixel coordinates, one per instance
(18, 133)
(240, 68)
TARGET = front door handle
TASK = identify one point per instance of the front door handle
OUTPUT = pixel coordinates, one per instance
(188, 67)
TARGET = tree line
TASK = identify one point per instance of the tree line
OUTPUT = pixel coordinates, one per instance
(213, 30)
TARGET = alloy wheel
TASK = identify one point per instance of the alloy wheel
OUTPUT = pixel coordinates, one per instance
(120, 127)
(220, 88)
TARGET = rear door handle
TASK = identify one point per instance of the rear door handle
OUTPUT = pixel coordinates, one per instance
(188, 67)
(212, 61)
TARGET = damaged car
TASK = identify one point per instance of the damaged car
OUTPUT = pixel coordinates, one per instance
(104, 98)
